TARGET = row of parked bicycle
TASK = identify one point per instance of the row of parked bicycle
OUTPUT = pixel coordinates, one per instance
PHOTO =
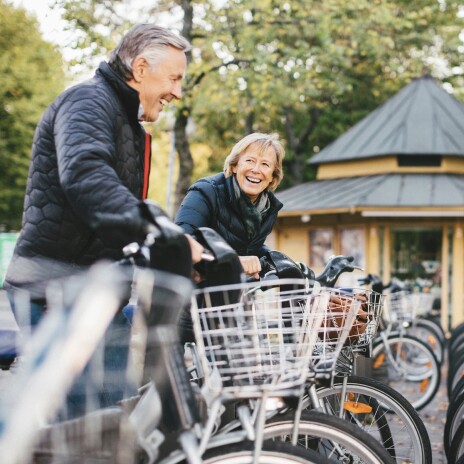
(269, 376)
(454, 428)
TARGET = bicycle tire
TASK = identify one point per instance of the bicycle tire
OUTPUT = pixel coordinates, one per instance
(330, 436)
(456, 450)
(455, 347)
(455, 372)
(425, 329)
(271, 453)
(454, 418)
(457, 390)
(420, 375)
(406, 438)
(437, 321)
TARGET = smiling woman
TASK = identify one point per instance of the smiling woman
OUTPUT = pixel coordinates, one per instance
(239, 203)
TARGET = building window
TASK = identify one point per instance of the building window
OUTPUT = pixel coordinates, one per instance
(419, 160)
(416, 257)
(320, 247)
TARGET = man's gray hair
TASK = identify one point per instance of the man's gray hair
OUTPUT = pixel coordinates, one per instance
(145, 40)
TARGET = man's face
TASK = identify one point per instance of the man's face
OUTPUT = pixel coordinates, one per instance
(158, 87)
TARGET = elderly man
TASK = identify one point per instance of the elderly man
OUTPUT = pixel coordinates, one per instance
(91, 156)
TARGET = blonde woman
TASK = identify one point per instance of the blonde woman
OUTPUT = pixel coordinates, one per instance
(239, 203)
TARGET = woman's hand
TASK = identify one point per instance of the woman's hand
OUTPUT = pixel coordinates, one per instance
(251, 265)
(196, 249)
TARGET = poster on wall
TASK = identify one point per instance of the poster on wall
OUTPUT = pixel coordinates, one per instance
(320, 247)
(353, 243)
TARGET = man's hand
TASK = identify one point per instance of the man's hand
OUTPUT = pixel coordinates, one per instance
(196, 248)
(251, 265)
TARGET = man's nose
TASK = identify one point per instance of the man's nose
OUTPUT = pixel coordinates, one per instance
(177, 90)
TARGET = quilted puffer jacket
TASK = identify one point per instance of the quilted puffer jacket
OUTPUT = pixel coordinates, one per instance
(211, 202)
(88, 157)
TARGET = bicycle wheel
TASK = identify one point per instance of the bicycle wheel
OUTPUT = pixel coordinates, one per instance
(271, 453)
(409, 366)
(455, 372)
(456, 450)
(427, 330)
(330, 436)
(384, 414)
(454, 419)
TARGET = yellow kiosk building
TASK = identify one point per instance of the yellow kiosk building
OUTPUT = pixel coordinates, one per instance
(390, 192)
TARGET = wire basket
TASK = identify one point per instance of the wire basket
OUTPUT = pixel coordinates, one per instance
(367, 320)
(350, 322)
(399, 307)
(422, 303)
(273, 336)
(367, 314)
(256, 337)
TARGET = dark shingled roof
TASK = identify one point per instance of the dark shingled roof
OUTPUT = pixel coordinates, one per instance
(388, 190)
(422, 118)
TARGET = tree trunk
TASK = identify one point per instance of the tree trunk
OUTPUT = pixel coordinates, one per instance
(180, 126)
(185, 159)
(298, 144)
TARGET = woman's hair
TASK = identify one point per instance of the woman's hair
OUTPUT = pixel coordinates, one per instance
(145, 40)
(263, 142)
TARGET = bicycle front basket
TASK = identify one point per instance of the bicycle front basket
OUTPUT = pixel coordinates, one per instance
(256, 336)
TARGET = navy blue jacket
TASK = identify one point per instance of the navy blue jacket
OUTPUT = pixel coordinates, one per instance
(211, 202)
(87, 158)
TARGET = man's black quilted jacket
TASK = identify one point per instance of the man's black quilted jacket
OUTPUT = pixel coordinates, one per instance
(87, 157)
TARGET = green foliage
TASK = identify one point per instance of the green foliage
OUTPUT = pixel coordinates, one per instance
(307, 69)
(314, 68)
(30, 76)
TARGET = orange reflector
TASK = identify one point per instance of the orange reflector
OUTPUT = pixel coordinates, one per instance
(379, 361)
(432, 341)
(357, 408)
(423, 385)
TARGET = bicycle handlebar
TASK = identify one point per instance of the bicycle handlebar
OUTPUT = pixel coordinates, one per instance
(129, 222)
(327, 278)
(374, 281)
(334, 268)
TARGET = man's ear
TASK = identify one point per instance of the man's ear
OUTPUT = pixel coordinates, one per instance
(139, 68)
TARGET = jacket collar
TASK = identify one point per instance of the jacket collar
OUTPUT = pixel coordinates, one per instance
(128, 96)
(275, 204)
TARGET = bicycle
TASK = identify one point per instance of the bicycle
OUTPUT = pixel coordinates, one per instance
(403, 361)
(411, 312)
(246, 382)
(129, 431)
(371, 405)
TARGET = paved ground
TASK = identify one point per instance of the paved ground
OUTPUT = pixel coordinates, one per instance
(434, 415)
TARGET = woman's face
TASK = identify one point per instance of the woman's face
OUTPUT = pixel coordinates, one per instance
(254, 171)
